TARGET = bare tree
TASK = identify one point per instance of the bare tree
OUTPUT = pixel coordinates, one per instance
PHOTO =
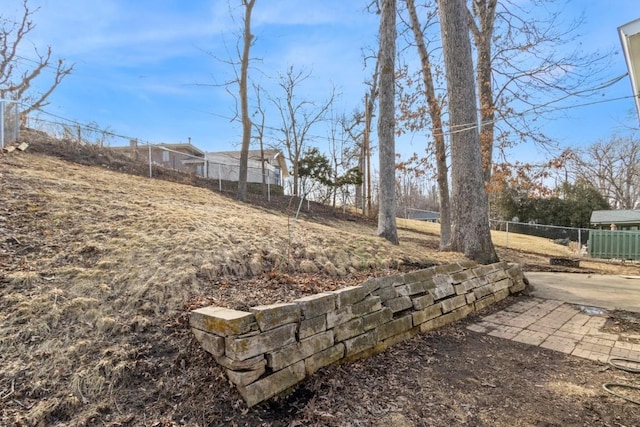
(483, 32)
(344, 153)
(470, 220)
(297, 117)
(259, 127)
(15, 80)
(387, 227)
(613, 167)
(522, 60)
(247, 39)
(369, 106)
(435, 113)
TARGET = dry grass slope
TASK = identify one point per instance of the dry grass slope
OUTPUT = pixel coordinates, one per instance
(94, 259)
(98, 269)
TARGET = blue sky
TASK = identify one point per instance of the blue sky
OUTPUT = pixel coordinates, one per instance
(148, 68)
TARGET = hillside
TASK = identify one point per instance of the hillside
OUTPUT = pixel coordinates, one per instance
(98, 270)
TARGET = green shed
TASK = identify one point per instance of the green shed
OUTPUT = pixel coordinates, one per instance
(627, 219)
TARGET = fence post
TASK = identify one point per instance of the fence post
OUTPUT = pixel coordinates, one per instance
(150, 170)
(2, 104)
(579, 242)
(16, 126)
(268, 185)
(507, 228)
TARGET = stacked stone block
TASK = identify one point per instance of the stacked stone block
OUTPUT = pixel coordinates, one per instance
(270, 348)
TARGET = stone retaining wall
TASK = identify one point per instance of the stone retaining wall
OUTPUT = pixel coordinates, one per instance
(270, 348)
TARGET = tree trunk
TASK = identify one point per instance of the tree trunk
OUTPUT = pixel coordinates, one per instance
(244, 102)
(435, 112)
(470, 221)
(485, 10)
(367, 134)
(360, 188)
(386, 123)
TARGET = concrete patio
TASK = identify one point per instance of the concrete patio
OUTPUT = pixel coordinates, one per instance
(560, 326)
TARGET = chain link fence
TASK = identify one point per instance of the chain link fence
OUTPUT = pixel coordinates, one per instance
(9, 122)
(226, 174)
(561, 235)
(158, 158)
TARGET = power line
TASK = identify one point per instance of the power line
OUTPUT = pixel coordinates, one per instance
(467, 127)
(535, 109)
(90, 127)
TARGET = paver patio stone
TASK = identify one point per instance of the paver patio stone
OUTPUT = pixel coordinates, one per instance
(503, 331)
(530, 337)
(563, 345)
(560, 327)
(569, 335)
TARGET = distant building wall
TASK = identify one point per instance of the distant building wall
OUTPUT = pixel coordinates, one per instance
(228, 169)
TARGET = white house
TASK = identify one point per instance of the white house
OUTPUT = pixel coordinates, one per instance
(225, 165)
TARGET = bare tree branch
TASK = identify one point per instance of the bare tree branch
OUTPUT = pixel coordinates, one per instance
(297, 117)
(16, 81)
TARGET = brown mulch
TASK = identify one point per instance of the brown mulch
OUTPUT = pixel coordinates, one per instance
(447, 377)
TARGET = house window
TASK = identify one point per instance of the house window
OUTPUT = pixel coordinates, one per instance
(277, 176)
(165, 156)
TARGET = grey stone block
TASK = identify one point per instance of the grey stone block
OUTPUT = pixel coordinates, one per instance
(412, 288)
(428, 313)
(501, 284)
(399, 304)
(361, 342)
(373, 320)
(274, 315)
(313, 326)
(245, 348)
(395, 327)
(496, 276)
(448, 269)
(348, 330)
(275, 383)
(484, 302)
(422, 302)
(386, 293)
(324, 358)
(371, 284)
(339, 316)
(468, 285)
(315, 305)
(243, 378)
(483, 291)
(419, 275)
(291, 354)
(214, 344)
(221, 321)
(442, 290)
(462, 276)
(467, 263)
(350, 295)
(369, 305)
(251, 364)
(451, 304)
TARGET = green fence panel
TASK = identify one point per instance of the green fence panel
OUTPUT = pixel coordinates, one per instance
(614, 244)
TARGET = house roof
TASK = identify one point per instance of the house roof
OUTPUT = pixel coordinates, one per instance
(184, 147)
(270, 154)
(616, 217)
(424, 215)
